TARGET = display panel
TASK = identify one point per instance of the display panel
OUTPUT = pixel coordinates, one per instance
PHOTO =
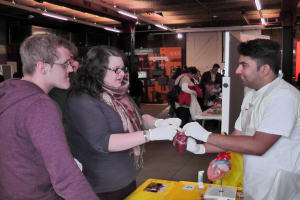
(142, 74)
(162, 81)
(157, 72)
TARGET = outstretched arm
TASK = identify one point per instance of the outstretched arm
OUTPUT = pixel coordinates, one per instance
(257, 144)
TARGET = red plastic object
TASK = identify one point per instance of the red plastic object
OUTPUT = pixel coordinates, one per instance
(180, 142)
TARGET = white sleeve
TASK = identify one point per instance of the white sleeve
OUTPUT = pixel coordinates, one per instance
(186, 89)
(280, 114)
(238, 123)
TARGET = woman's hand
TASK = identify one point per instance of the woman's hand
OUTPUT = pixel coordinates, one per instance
(163, 133)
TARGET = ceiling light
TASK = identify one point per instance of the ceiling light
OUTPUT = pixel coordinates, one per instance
(263, 21)
(161, 26)
(127, 14)
(56, 16)
(179, 35)
(257, 3)
(112, 29)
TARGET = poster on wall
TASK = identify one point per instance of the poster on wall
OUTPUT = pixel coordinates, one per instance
(155, 67)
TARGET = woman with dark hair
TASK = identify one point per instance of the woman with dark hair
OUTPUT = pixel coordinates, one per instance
(106, 128)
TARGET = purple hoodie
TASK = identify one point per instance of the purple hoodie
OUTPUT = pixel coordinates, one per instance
(35, 160)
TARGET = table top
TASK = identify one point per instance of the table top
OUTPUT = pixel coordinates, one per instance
(171, 190)
(209, 115)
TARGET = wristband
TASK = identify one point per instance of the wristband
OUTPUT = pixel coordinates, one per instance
(145, 136)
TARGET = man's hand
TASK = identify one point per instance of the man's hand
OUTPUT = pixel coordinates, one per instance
(196, 131)
(167, 122)
(163, 133)
(193, 147)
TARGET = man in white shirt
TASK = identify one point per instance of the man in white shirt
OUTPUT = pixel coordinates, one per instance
(267, 131)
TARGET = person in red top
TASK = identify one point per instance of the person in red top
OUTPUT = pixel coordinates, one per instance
(185, 102)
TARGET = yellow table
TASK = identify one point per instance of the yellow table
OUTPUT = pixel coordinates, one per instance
(155, 189)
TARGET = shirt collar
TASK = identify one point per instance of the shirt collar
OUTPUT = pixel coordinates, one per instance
(267, 86)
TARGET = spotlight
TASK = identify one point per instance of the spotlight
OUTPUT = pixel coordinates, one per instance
(179, 36)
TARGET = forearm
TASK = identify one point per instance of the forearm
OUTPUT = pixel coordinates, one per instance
(148, 121)
(124, 141)
(237, 143)
(209, 148)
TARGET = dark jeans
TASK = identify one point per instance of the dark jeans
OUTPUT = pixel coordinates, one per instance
(119, 194)
(172, 109)
(183, 114)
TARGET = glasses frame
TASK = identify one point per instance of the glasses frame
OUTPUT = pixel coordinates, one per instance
(118, 70)
(65, 65)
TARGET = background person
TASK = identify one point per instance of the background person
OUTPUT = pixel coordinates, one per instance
(209, 96)
(60, 95)
(35, 160)
(106, 127)
(212, 75)
(267, 131)
(171, 83)
(184, 81)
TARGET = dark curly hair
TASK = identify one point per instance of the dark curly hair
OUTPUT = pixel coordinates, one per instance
(192, 70)
(262, 51)
(89, 77)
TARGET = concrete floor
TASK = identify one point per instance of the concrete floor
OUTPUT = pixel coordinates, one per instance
(162, 161)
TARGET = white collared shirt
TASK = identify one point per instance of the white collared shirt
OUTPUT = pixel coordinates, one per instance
(273, 109)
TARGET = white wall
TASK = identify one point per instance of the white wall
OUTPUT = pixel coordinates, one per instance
(203, 49)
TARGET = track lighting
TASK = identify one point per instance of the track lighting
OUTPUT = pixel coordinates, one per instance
(127, 14)
(161, 26)
(112, 29)
(257, 3)
(56, 16)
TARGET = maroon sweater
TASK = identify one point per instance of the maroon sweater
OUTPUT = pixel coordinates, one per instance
(35, 160)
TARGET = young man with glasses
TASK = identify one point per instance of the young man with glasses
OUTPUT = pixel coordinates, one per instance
(35, 161)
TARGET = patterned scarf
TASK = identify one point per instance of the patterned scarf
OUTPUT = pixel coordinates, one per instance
(118, 99)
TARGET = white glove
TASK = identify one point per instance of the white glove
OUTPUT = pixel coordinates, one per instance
(162, 133)
(193, 147)
(196, 131)
(167, 122)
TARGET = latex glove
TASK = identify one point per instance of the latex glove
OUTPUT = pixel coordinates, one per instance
(163, 133)
(195, 130)
(193, 147)
(167, 122)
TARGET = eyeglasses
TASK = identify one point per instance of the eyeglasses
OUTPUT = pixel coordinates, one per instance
(118, 70)
(65, 65)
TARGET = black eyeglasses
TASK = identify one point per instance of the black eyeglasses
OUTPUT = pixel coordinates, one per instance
(118, 70)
